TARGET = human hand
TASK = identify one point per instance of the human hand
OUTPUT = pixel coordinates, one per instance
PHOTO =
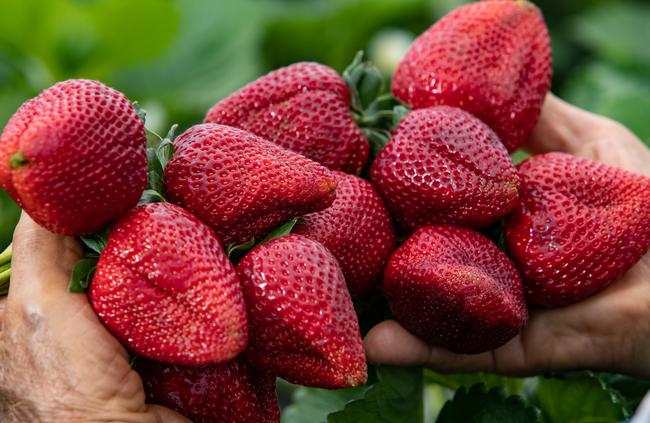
(608, 331)
(58, 363)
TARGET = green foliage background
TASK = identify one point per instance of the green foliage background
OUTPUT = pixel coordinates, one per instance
(178, 57)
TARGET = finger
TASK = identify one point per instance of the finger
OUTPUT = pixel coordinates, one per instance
(41, 265)
(164, 414)
(389, 343)
(562, 127)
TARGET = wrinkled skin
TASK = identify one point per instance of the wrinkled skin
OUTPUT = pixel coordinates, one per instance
(58, 362)
(608, 331)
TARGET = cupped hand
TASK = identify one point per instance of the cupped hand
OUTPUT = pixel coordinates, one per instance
(608, 331)
(58, 362)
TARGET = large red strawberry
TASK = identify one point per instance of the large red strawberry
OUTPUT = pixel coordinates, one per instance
(242, 185)
(164, 287)
(230, 392)
(302, 322)
(580, 226)
(452, 287)
(356, 229)
(491, 58)
(443, 165)
(305, 108)
(74, 157)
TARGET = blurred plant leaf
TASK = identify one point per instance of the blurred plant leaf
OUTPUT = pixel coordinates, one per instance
(333, 31)
(480, 405)
(512, 385)
(311, 405)
(395, 398)
(613, 93)
(9, 214)
(579, 398)
(618, 32)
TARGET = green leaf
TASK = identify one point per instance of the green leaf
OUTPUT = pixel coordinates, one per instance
(95, 242)
(311, 405)
(395, 398)
(151, 196)
(632, 390)
(235, 252)
(284, 229)
(82, 274)
(478, 405)
(512, 385)
(579, 398)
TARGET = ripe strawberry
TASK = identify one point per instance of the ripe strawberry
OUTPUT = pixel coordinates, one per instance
(164, 287)
(305, 108)
(580, 226)
(443, 165)
(452, 287)
(356, 229)
(491, 58)
(302, 323)
(242, 185)
(74, 157)
(230, 392)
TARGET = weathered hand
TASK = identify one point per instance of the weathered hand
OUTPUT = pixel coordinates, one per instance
(58, 362)
(608, 331)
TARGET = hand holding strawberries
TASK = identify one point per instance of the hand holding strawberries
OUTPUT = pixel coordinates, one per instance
(59, 363)
(608, 331)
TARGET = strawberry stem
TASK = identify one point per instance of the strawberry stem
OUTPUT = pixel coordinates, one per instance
(18, 160)
(4, 281)
(5, 256)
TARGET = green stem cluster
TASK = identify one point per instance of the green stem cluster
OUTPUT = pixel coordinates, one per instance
(5, 270)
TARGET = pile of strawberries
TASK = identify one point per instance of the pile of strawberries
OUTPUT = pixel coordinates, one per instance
(254, 232)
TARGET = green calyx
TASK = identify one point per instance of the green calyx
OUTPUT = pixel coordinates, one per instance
(374, 109)
(159, 152)
(235, 252)
(18, 160)
(84, 269)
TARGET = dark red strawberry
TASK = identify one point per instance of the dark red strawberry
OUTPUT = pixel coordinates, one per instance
(580, 226)
(164, 287)
(305, 108)
(242, 185)
(74, 157)
(302, 323)
(230, 392)
(356, 229)
(443, 165)
(491, 58)
(452, 287)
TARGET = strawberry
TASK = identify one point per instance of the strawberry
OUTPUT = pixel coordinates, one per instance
(452, 287)
(242, 185)
(491, 58)
(443, 165)
(164, 287)
(74, 157)
(305, 108)
(302, 323)
(580, 226)
(356, 229)
(230, 392)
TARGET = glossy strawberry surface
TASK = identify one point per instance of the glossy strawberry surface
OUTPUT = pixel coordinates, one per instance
(74, 157)
(443, 165)
(491, 58)
(356, 229)
(454, 288)
(580, 226)
(164, 287)
(302, 322)
(242, 185)
(230, 392)
(304, 107)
